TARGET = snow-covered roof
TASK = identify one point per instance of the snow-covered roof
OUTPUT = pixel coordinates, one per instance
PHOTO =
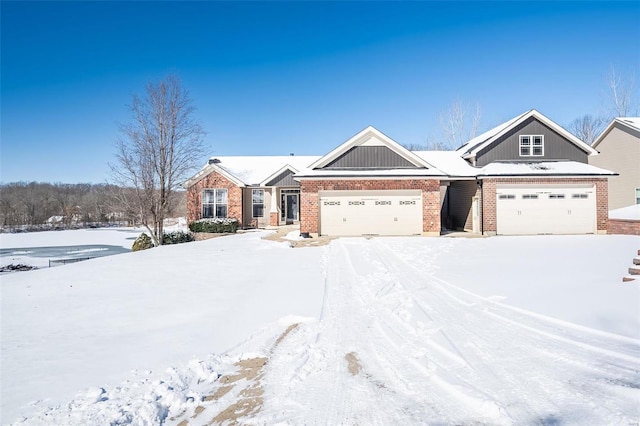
(449, 162)
(630, 122)
(252, 170)
(543, 168)
(471, 148)
(628, 213)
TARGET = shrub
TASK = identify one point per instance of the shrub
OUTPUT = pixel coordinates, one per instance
(177, 237)
(143, 242)
(217, 226)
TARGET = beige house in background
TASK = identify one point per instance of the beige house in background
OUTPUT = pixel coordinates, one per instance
(619, 147)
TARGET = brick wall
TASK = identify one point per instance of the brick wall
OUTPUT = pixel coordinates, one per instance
(624, 227)
(214, 181)
(309, 209)
(489, 197)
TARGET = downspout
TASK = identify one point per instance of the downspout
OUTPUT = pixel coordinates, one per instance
(481, 206)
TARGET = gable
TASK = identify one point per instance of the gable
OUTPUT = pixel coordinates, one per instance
(370, 149)
(283, 179)
(370, 157)
(507, 146)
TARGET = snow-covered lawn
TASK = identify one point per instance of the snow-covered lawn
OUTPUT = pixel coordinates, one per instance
(511, 330)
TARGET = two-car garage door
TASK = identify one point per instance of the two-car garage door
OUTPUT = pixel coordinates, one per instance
(388, 212)
(545, 209)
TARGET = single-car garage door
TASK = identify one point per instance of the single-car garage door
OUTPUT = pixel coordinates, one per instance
(545, 209)
(386, 212)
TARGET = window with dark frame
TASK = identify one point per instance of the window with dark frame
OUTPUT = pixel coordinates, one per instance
(257, 202)
(531, 145)
(214, 203)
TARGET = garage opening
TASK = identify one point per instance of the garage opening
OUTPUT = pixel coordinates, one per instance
(385, 212)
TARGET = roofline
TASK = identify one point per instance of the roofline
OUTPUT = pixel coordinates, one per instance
(545, 120)
(379, 177)
(275, 174)
(353, 140)
(578, 175)
(207, 170)
(609, 128)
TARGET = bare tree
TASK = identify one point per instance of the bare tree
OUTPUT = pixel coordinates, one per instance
(157, 150)
(587, 128)
(459, 123)
(622, 100)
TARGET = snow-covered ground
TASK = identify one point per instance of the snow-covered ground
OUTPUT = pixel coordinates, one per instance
(505, 330)
(630, 213)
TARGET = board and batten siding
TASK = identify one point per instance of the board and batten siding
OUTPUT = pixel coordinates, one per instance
(283, 179)
(620, 152)
(507, 148)
(370, 157)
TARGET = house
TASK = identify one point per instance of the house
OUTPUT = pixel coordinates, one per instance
(526, 176)
(619, 150)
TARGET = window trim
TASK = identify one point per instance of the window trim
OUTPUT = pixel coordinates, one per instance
(254, 204)
(530, 146)
(215, 203)
(637, 195)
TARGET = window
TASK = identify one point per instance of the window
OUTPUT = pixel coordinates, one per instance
(637, 195)
(506, 197)
(531, 145)
(257, 201)
(214, 203)
(556, 196)
(579, 196)
(529, 196)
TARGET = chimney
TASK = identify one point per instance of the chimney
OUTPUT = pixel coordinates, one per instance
(214, 161)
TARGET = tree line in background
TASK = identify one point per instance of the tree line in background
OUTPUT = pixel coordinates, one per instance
(41, 205)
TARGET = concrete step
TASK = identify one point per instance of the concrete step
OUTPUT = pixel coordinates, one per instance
(636, 261)
(628, 278)
(634, 270)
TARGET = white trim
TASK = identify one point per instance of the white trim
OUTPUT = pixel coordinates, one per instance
(482, 141)
(530, 146)
(254, 203)
(605, 132)
(208, 169)
(215, 202)
(363, 138)
(280, 170)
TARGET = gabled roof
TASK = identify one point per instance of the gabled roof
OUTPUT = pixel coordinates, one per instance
(277, 173)
(632, 123)
(370, 136)
(251, 170)
(475, 145)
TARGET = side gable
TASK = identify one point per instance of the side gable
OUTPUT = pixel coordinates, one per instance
(283, 177)
(370, 149)
(209, 169)
(630, 125)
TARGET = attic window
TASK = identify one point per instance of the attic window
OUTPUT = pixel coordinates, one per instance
(531, 145)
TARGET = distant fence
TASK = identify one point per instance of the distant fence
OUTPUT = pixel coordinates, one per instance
(55, 262)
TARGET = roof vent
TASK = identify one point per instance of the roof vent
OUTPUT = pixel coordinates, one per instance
(214, 161)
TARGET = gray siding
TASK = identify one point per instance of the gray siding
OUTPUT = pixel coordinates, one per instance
(283, 179)
(507, 147)
(370, 157)
(461, 195)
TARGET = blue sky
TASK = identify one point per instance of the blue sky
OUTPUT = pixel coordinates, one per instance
(271, 78)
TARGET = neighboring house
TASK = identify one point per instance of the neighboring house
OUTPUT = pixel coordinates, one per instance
(526, 176)
(619, 150)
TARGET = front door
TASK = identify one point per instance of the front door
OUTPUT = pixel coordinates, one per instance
(289, 206)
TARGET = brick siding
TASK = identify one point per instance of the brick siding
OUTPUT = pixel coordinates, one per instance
(309, 198)
(489, 197)
(214, 181)
(624, 227)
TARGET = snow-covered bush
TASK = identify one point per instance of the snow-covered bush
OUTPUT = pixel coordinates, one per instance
(143, 242)
(217, 225)
(177, 237)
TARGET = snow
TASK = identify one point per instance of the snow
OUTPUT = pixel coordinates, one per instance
(503, 330)
(555, 168)
(253, 170)
(629, 213)
(630, 121)
(449, 162)
(369, 173)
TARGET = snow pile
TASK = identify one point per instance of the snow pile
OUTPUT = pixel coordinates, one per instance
(627, 213)
(505, 330)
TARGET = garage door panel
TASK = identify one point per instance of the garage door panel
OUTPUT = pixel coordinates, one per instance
(545, 210)
(371, 212)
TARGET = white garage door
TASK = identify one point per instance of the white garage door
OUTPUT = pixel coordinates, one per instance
(548, 209)
(371, 212)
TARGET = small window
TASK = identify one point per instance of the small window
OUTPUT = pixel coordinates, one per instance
(637, 195)
(531, 145)
(506, 197)
(214, 203)
(556, 196)
(529, 196)
(257, 201)
(579, 196)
